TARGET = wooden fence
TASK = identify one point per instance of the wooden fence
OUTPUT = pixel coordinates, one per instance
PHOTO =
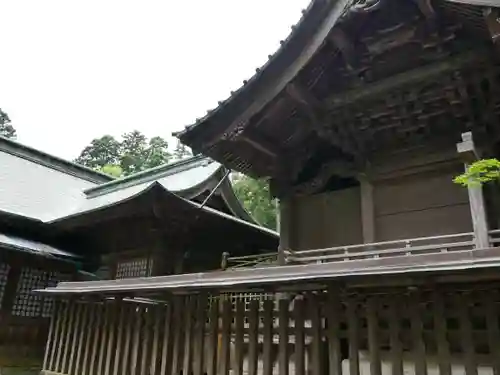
(385, 331)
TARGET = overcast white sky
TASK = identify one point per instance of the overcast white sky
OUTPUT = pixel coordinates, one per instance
(74, 70)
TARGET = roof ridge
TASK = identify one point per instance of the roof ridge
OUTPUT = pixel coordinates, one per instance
(148, 175)
(51, 161)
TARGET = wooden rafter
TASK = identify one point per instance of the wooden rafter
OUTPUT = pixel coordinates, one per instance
(407, 78)
(322, 123)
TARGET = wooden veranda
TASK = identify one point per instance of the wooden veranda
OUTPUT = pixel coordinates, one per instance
(443, 323)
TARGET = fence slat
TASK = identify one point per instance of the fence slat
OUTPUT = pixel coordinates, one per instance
(48, 360)
(283, 321)
(130, 317)
(417, 335)
(178, 305)
(166, 347)
(238, 339)
(213, 338)
(188, 335)
(463, 302)
(396, 345)
(91, 333)
(103, 340)
(333, 331)
(353, 334)
(268, 338)
(62, 337)
(299, 352)
(111, 331)
(134, 355)
(157, 312)
(440, 331)
(146, 339)
(489, 303)
(225, 337)
(253, 337)
(81, 339)
(77, 331)
(122, 309)
(199, 334)
(314, 316)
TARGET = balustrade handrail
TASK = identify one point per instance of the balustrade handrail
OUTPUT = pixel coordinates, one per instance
(378, 244)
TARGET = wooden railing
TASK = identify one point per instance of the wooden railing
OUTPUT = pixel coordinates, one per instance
(495, 237)
(407, 247)
(259, 260)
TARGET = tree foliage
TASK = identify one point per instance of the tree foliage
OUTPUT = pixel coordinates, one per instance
(480, 172)
(6, 128)
(181, 151)
(256, 198)
(131, 154)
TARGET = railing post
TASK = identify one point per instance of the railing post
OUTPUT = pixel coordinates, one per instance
(468, 154)
(285, 230)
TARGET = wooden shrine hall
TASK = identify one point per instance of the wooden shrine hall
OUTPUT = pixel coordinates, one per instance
(360, 121)
(63, 222)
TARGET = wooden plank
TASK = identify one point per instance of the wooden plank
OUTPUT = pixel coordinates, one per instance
(253, 337)
(166, 347)
(353, 335)
(283, 321)
(394, 314)
(91, 333)
(69, 333)
(373, 335)
(462, 303)
(417, 329)
(62, 337)
(156, 338)
(103, 339)
(97, 328)
(444, 362)
(199, 334)
(268, 338)
(178, 306)
(130, 317)
(213, 337)
(77, 333)
(238, 337)
(112, 327)
(314, 315)
(49, 347)
(81, 339)
(188, 335)
(224, 356)
(146, 339)
(121, 327)
(299, 353)
(134, 354)
(333, 331)
(490, 304)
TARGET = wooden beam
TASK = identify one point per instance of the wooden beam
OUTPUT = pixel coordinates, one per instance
(323, 124)
(367, 209)
(492, 19)
(468, 152)
(403, 79)
(259, 142)
(345, 45)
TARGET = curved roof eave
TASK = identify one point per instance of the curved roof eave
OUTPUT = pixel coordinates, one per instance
(306, 38)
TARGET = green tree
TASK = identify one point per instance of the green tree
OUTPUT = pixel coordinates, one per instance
(101, 151)
(256, 198)
(6, 128)
(480, 172)
(132, 154)
(181, 151)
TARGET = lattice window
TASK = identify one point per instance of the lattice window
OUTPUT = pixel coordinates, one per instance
(28, 303)
(4, 274)
(141, 267)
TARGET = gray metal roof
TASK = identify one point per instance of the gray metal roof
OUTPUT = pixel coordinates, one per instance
(20, 244)
(287, 275)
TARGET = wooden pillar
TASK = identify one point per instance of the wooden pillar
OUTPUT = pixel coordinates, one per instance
(468, 154)
(285, 228)
(367, 209)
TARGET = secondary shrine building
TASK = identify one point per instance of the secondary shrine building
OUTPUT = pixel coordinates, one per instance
(63, 222)
(360, 120)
